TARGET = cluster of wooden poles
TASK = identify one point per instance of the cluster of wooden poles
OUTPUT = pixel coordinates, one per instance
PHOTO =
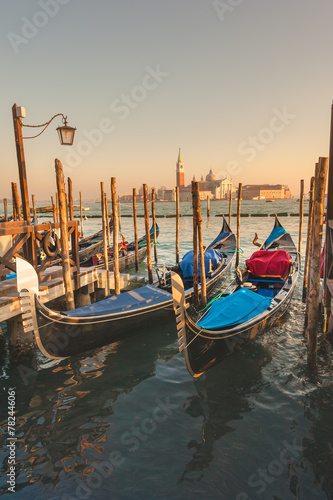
(61, 194)
(312, 264)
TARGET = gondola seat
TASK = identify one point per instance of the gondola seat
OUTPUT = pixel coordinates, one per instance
(269, 266)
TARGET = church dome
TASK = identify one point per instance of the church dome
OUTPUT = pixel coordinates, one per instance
(210, 177)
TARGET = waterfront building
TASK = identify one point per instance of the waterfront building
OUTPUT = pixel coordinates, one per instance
(265, 191)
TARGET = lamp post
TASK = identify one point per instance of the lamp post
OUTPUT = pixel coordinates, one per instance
(66, 136)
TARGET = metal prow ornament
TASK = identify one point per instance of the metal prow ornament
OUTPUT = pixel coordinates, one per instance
(255, 239)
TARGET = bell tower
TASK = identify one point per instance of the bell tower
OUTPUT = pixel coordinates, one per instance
(180, 181)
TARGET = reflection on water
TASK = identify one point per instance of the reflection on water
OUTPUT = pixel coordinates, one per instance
(231, 383)
(128, 422)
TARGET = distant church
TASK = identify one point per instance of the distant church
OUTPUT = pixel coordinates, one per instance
(217, 189)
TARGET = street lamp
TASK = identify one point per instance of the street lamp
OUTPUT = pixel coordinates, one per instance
(66, 136)
(66, 133)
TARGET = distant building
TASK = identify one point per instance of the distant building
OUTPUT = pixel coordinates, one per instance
(166, 194)
(265, 191)
(215, 189)
(180, 178)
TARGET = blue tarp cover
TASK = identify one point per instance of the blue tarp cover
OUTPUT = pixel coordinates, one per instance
(128, 301)
(234, 309)
(186, 264)
(275, 234)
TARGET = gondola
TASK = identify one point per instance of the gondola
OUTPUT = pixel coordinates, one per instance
(88, 246)
(126, 257)
(93, 238)
(256, 299)
(62, 334)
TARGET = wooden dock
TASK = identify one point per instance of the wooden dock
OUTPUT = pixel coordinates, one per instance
(90, 280)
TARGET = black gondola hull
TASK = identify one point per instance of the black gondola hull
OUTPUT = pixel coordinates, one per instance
(204, 353)
(204, 348)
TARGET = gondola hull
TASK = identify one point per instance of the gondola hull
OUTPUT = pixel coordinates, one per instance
(205, 347)
(207, 351)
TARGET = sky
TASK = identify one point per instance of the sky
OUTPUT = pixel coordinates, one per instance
(243, 87)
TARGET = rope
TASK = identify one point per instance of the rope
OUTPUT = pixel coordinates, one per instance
(232, 251)
(45, 125)
(214, 299)
(198, 334)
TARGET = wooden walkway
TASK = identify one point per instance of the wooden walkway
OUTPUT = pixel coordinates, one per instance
(53, 287)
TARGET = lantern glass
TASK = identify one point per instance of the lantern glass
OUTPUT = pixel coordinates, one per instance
(66, 135)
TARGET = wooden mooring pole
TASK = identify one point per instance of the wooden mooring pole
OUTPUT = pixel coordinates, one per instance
(315, 262)
(70, 200)
(301, 210)
(208, 205)
(57, 206)
(105, 241)
(308, 240)
(135, 231)
(64, 236)
(239, 201)
(5, 209)
(16, 201)
(119, 214)
(107, 220)
(115, 237)
(81, 216)
(328, 265)
(153, 194)
(229, 207)
(201, 250)
(13, 203)
(34, 209)
(149, 264)
(177, 225)
(195, 247)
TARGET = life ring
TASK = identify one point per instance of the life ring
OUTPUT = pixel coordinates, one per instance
(51, 249)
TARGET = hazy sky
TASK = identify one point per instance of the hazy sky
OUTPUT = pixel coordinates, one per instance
(241, 86)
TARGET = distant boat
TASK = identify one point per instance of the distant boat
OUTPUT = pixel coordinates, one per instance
(259, 198)
(77, 207)
(269, 201)
(43, 209)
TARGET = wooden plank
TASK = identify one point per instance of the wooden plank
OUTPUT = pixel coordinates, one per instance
(330, 286)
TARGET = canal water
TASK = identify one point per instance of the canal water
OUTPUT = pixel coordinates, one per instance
(128, 422)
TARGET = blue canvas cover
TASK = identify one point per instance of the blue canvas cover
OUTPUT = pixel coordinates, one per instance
(276, 233)
(128, 301)
(186, 264)
(234, 309)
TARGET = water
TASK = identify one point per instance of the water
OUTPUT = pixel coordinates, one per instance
(128, 422)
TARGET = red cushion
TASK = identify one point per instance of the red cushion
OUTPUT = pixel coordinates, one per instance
(269, 264)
